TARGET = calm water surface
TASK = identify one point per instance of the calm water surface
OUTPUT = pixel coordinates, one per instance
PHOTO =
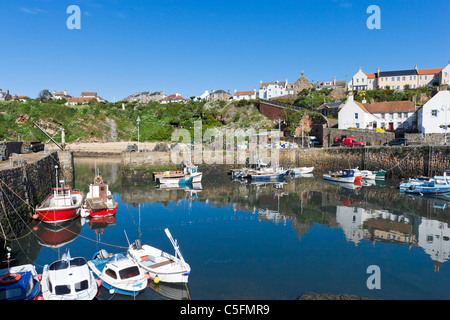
(266, 240)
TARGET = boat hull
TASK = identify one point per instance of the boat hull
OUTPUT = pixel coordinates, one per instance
(339, 179)
(58, 214)
(160, 264)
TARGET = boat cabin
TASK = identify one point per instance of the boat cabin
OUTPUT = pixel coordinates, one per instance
(18, 286)
(348, 173)
(61, 280)
(121, 268)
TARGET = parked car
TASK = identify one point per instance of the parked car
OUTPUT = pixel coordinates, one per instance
(351, 142)
(397, 142)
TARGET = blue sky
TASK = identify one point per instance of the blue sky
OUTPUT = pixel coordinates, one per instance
(191, 46)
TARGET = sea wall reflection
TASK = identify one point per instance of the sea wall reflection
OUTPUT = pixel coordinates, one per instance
(368, 212)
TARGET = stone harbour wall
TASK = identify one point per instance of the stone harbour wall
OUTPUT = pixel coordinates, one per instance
(399, 162)
(21, 187)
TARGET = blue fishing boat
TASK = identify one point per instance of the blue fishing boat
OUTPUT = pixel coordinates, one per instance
(118, 273)
(437, 185)
(19, 283)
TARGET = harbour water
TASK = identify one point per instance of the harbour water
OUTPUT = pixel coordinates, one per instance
(276, 240)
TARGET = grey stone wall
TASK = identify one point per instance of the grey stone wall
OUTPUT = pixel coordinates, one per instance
(367, 136)
(22, 187)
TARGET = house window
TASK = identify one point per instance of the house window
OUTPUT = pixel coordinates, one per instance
(399, 115)
(356, 115)
(398, 78)
(391, 115)
(434, 113)
(404, 78)
(393, 79)
(357, 125)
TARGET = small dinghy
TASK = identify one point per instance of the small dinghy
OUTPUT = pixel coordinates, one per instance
(118, 273)
(301, 170)
(160, 265)
(68, 279)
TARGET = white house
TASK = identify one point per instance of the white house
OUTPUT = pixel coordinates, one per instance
(244, 95)
(360, 81)
(354, 114)
(173, 98)
(445, 75)
(268, 90)
(389, 115)
(434, 116)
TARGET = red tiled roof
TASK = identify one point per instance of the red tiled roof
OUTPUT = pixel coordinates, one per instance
(244, 93)
(389, 106)
(371, 76)
(430, 71)
(89, 94)
(174, 97)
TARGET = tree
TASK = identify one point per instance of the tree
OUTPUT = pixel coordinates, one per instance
(44, 95)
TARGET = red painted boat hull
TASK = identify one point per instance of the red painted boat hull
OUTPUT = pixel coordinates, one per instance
(59, 214)
(102, 213)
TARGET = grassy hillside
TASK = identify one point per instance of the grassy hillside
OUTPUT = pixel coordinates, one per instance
(109, 122)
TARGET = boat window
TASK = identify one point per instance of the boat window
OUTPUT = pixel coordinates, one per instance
(30, 286)
(59, 265)
(111, 273)
(129, 272)
(10, 293)
(62, 289)
(83, 285)
(77, 262)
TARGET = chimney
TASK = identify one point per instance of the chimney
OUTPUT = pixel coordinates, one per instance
(302, 73)
(334, 82)
(228, 91)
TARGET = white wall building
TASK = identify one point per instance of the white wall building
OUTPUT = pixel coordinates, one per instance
(434, 116)
(268, 90)
(390, 115)
(244, 95)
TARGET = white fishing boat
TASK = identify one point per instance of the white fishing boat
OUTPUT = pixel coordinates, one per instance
(368, 175)
(68, 279)
(189, 175)
(118, 273)
(346, 176)
(160, 265)
(301, 170)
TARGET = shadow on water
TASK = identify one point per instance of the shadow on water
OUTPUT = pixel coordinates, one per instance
(265, 240)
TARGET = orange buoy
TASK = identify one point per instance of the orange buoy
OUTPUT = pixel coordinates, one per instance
(98, 180)
(10, 277)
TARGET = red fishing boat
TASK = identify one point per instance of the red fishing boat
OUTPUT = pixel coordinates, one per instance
(99, 201)
(63, 205)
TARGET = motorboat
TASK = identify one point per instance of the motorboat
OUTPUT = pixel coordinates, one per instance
(160, 265)
(368, 175)
(118, 273)
(19, 283)
(346, 175)
(62, 205)
(437, 185)
(301, 170)
(190, 174)
(99, 201)
(68, 279)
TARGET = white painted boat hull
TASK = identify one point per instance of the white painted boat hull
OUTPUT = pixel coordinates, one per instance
(156, 263)
(339, 179)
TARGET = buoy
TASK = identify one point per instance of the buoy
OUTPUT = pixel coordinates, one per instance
(10, 277)
(35, 216)
(98, 180)
(156, 279)
(147, 275)
(99, 282)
